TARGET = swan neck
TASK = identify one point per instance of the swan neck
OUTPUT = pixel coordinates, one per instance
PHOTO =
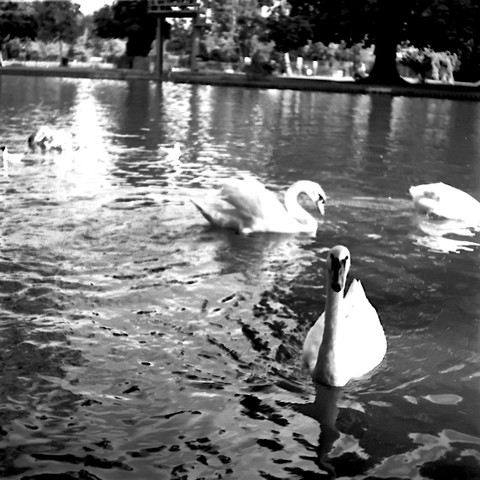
(293, 207)
(332, 316)
(328, 368)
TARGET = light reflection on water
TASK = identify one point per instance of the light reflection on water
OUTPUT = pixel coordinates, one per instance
(138, 342)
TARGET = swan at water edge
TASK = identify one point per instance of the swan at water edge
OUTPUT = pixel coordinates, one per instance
(445, 201)
(246, 206)
(348, 340)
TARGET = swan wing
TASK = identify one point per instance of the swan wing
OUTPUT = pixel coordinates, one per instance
(365, 339)
(252, 199)
(312, 342)
(244, 205)
(220, 214)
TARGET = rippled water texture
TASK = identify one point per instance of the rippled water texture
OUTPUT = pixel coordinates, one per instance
(137, 342)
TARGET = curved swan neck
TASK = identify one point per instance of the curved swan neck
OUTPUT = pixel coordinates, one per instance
(293, 207)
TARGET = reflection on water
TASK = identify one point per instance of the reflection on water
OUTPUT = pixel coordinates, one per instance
(138, 342)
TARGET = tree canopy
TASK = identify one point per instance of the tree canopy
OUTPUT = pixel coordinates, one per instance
(58, 21)
(441, 24)
(128, 20)
(235, 28)
(49, 20)
(17, 20)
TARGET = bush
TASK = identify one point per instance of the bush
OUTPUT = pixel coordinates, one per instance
(427, 63)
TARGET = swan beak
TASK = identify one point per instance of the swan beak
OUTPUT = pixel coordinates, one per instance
(338, 275)
(321, 207)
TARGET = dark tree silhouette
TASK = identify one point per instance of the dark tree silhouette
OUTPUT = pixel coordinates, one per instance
(129, 20)
(452, 25)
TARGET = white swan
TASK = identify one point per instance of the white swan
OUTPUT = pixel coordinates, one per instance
(247, 206)
(442, 200)
(348, 340)
(8, 157)
(172, 153)
(49, 139)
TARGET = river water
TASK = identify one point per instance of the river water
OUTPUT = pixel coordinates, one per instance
(137, 342)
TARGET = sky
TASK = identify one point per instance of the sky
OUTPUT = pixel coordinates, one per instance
(89, 6)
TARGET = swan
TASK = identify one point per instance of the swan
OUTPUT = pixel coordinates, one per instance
(348, 340)
(445, 201)
(48, 138)
(172, 153)
(8, 157)
(246, 206)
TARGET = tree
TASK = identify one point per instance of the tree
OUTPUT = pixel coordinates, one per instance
(388, 34)
(130, 20)
(376, 22)
(59, 21)
(288, 33)
(17, 20)
(446, 24)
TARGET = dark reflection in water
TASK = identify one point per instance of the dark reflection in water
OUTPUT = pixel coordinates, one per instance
(138, 342)
(325, 411)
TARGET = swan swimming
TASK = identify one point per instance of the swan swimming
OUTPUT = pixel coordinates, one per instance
(444, 201)
(49, 139)
(172, 153)
(246, 206)
(7, 157)
(347, 341)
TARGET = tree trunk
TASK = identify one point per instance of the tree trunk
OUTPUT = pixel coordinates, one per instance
(388, 35)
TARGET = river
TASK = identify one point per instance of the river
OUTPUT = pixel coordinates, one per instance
(138, 342)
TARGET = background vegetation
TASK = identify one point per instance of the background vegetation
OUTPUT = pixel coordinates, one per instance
(431, 37)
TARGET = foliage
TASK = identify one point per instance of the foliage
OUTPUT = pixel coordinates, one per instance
(426, 63)
(17, 20)
(180, 36)
(261, 60)
(448, 26)
(59, 20)
(251, 29)
(441, 24)
(235, 24)
(289, 33)
(129, 20)
(220, 48)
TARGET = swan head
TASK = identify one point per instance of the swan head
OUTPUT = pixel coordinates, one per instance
(3, 151)
(338, 265)
(315, 192)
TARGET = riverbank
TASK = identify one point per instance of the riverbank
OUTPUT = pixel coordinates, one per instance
(462, 91)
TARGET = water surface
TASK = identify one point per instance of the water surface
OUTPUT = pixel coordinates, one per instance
(137, 342)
